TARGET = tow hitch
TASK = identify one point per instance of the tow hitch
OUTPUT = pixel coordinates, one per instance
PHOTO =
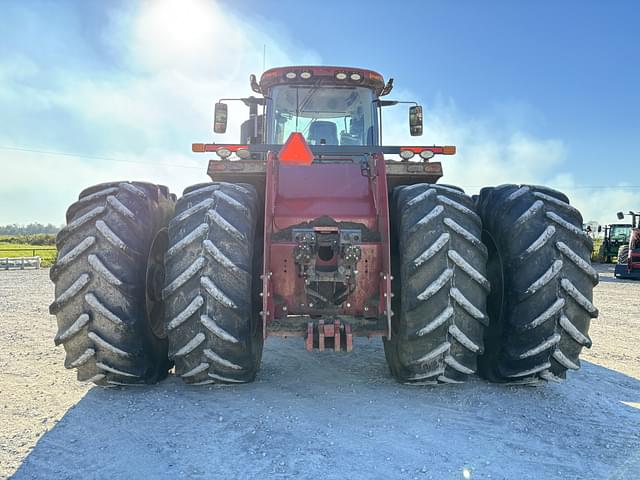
(332, 335)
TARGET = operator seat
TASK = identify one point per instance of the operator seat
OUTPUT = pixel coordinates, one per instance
(323, 132)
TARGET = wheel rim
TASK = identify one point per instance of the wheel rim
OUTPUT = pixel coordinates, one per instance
(154, 284)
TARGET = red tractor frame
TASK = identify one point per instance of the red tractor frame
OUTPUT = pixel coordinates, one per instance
(309, 229)
(327, 253)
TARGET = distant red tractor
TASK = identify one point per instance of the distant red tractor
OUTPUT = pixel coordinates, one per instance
(309, 229)
(629, 255)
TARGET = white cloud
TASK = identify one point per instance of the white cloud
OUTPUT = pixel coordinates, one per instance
(175, 59)
(490, 152)
(180, 57)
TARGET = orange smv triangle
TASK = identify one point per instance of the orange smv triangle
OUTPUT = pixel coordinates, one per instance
(296, 151)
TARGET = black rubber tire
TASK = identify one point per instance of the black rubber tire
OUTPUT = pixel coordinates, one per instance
(100, 283)
(542, 284)
(440, 288)
(623, 255)
(212, 282)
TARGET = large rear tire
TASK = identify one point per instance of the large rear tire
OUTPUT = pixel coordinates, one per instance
(108, 322)
(440, 288)
(542, 284)
(212, 313)
(623, 255)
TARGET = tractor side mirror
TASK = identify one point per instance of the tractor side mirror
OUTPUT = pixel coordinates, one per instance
(415, 120)
(220, 114)
(620, 215)
(599, 228)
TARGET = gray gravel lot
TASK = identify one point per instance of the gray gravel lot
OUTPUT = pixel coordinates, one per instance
(316, 415)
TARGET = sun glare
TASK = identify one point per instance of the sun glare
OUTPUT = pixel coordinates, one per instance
(177, 26)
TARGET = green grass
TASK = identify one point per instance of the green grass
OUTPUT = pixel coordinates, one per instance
(47, 253)
(41, 239)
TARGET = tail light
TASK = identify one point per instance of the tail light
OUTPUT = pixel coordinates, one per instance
(426, 153)
(243, 153)
(449, 150)
(223, 152)
(407, 154)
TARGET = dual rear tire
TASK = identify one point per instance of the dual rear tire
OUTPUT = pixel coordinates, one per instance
(542, 284)
(441, 286)
(500, 284)
(139, 287)
(212, 319)
(109, 322)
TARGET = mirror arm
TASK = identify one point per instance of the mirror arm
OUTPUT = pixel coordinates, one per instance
(248, 101)
(390, 103)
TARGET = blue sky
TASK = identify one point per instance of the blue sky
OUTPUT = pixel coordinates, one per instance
(542, 92)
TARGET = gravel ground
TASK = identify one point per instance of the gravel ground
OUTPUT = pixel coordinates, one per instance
(616, 332)
(316, 415)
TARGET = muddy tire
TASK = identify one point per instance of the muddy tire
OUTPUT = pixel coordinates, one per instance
(101, 296)
(542, 284)
(212, 312)
(623, 255)
(440, 288)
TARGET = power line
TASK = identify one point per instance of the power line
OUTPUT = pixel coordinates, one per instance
(177, 165)
(94, 157)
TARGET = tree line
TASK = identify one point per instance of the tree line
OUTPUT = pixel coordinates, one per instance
(30, 229)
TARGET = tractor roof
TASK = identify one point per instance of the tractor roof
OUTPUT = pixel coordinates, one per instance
(314, 75)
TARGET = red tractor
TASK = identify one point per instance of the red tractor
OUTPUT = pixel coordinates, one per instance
(629, 255)
(310, 229)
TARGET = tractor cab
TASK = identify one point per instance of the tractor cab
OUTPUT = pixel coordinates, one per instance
(620, 233)
(337, 111)
(327, 105)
